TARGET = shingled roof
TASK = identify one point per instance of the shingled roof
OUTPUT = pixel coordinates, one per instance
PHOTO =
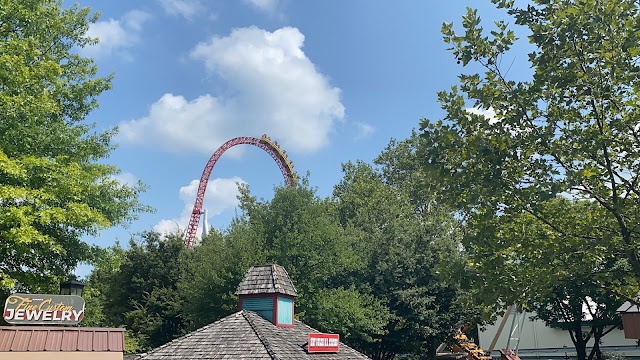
(246, 335)
(266, 279)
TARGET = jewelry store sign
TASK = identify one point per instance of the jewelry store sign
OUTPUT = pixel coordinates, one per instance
(30, 309)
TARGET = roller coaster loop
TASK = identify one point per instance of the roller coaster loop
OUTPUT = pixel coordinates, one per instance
(265, 143)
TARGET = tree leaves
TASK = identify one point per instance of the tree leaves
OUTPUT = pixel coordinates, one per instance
(52, 188)
(362, 263)
(570, 132)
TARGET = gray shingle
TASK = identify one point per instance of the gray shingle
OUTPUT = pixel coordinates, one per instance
(245, 335)
(231, 337)
(291, 342)
(266, 279)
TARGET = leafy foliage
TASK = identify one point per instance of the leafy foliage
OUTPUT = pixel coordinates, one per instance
(578, 305)
(210, 277)
(362, 263)
(545, 172)
(143, 294)
(52, 188)
(402, 244)
(570, 131)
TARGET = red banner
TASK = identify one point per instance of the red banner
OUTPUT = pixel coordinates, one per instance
(323, 343)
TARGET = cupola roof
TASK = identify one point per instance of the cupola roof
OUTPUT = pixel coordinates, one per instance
(266, 279)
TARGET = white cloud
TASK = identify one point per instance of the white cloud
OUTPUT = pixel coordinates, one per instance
(276, 90)
(127, 178)
(169, 226)
(185, 8)
(221, 194)
(268, 6)
(116, 36)
(364, 130)
(175, 123)
(488, 113)
(134, 19)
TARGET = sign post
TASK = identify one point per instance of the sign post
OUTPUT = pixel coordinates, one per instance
(32, 309)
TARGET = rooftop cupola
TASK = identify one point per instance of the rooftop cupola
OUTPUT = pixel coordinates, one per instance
(269, 291)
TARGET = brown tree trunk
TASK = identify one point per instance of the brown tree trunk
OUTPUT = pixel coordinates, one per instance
(578, 340)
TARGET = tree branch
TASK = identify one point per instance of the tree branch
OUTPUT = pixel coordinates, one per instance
(632, 253)
(555, 228)
(631, 186)
(605, 152)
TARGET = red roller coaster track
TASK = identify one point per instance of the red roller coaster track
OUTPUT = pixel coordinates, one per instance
(263, 143)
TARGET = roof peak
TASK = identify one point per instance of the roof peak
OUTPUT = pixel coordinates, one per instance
(266, 279)
(246, 335)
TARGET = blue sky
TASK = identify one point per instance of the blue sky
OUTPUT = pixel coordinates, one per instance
(332, 81)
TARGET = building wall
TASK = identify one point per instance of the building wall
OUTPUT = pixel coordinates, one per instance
(285, 311)
(263, 305)
(59, 355)
(537, 339)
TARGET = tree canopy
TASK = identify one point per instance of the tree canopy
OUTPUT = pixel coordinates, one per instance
(403, 244)
(362, 261)
(507, 148)
(544, 172)
(53, 186)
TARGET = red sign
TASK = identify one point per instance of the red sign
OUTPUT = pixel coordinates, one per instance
(323, 343)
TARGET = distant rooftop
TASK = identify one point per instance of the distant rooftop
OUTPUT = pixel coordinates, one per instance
(266, 279)
(628, 307)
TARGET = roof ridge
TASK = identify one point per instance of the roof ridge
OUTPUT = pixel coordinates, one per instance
(290, 280)
(260, 335)
(266, 279)
(274, 276)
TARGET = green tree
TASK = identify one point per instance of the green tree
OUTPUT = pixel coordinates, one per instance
(53, 189)
(106, 263)
(402, 243)
(215, 269)
(302, 232)
(586, 311)
(367, 255)
(571, 130)
(357, 315)
(517, 258)
(295, 229)
(142, 294)
(400, 167)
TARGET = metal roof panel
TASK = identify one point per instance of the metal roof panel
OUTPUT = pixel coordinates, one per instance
(51, 338)
(53, 342)
(69, 341)
(38, 340)
(100, 341)
(6, 338)
(116, 341)
(21, 341)
(85, 341)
